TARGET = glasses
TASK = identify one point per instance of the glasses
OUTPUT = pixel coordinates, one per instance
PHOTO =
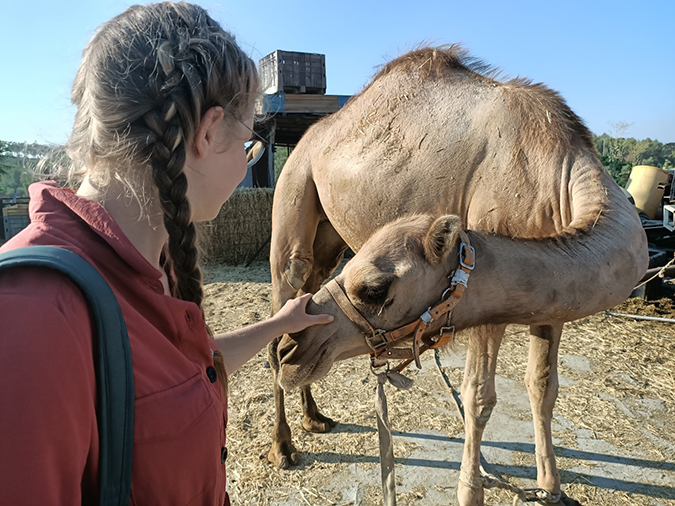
(255, 147)
(258, 137)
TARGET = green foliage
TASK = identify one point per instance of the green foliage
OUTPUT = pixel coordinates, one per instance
(619, 155)
(4, 151)
(16, 179)
(281, 154)
(17, 167)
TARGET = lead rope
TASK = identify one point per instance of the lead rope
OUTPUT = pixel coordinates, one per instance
(384, 431)
(488, 480)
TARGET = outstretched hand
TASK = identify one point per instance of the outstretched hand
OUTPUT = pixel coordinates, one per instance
(293, 315)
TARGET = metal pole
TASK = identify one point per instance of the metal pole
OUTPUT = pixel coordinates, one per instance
(640, 317)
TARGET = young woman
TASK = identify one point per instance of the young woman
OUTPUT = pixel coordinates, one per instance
(164, 103)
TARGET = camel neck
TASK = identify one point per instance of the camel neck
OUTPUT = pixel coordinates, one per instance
(548, 280)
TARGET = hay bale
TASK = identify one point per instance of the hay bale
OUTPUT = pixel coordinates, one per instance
(241, 229)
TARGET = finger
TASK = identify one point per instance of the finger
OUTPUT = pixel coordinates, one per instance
(323, 318)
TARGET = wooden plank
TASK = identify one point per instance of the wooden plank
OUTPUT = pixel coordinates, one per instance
(16, 210)
(318, 104)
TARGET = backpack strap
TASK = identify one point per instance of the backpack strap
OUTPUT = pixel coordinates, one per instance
(114, 371)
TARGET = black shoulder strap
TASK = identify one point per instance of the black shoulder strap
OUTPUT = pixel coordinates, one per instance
(114, 372)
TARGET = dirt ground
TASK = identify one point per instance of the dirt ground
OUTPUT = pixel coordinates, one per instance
(613, 421)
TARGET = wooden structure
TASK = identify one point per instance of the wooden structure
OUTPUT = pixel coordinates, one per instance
(13, 216)
(282, 119)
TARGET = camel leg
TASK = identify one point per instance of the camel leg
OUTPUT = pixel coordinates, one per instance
(282, 453)
(541, 380)
(295, 217)
(313, 420)
(328, 251)
(479, 397)
(297, 239)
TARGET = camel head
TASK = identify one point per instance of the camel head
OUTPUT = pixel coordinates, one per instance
(398, 273)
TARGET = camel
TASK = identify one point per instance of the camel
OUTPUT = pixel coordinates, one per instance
(433, 149)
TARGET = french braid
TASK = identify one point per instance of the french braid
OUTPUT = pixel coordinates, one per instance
(146, 79)
(167, 158)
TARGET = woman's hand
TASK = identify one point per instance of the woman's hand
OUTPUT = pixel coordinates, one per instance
(240, 345)
(293, 317)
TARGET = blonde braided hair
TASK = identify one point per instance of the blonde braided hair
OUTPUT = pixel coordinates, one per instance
(146, 79)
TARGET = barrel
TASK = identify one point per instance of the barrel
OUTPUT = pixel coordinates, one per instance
(646, 184)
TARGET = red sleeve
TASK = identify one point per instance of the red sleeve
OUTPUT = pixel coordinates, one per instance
(48, 431)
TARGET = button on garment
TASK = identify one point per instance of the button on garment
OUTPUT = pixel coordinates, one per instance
(211, 373)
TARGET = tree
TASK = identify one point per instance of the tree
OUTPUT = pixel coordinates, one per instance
(17, 167)
(4, 151)
(619, 154)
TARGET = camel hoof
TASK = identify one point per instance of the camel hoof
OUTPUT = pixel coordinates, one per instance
(469, 496)
(283, 455)
(564, 501)
(319, 424)
(568, 501)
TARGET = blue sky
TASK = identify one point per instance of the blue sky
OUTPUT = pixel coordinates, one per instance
(613, 61)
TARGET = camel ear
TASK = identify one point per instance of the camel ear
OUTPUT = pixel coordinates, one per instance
(442, 238)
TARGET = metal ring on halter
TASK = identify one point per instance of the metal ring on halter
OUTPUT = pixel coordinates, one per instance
(373, 366)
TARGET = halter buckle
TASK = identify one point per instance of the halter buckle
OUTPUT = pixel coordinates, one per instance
(376, 346)
(462, 246)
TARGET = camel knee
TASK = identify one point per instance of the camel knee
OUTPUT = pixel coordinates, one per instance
(297, 271)
(479, 401)
(481, 411)
(542, 388)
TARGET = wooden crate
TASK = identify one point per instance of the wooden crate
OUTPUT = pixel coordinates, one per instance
(16, 210)
(14, 224)
(293, 72)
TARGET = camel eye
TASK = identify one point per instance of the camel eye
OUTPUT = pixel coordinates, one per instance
(373, 294)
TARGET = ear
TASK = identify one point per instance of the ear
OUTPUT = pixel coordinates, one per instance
(442, 238)
(207, 126)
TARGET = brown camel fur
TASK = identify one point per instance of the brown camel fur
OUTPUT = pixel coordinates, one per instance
(434, 135)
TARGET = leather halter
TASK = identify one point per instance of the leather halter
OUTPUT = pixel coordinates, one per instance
(381, 342)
